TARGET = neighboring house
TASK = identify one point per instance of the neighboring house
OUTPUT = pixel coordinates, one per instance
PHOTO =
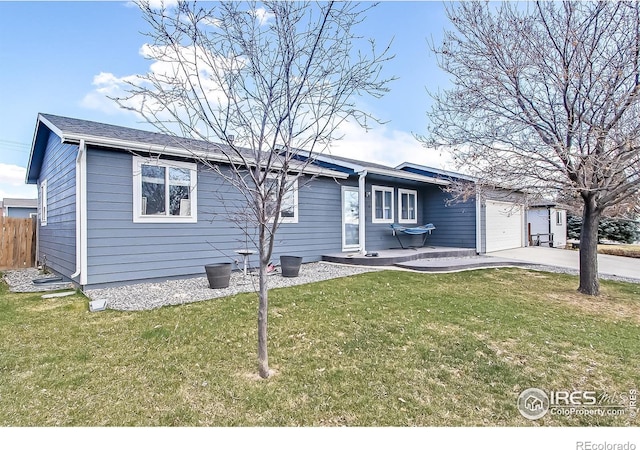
(119, 205)
(547, 225)
(21, 208)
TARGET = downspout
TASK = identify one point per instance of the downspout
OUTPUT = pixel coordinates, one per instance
(478, 220)
(81, 214)
(551, 217)
(362, 211)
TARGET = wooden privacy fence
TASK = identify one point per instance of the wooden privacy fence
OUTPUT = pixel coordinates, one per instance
(17, 243)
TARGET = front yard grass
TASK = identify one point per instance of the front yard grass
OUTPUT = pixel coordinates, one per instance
(379, 349)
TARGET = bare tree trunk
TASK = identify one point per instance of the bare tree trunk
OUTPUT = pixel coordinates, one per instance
(589, 283)
(264, 93)
(263, 304)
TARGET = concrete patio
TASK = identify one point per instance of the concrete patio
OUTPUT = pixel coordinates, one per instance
(448, 259)
(395, 256)
(424, 259)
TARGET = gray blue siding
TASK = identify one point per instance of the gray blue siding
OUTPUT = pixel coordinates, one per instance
(120, 250)
(455, 222)
(379, 236)
(319, 227)
(57, 240)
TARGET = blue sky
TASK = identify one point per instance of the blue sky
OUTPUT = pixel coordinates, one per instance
(60, 58)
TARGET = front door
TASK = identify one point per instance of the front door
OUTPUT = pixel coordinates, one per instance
(350, 218)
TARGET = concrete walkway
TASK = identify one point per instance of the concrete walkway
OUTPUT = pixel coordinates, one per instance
(461, 263)
(607, 264)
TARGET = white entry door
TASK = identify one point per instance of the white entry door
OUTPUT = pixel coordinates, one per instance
(350, 218)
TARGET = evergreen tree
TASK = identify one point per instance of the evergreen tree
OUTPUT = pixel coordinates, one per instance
(617, 230)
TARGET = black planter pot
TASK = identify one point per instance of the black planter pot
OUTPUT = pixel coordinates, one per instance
(290, 265)
(218, 275)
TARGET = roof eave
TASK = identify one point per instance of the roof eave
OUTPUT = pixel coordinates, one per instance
(408, 176)
(378, 171)
(181, 152)
(443, 172)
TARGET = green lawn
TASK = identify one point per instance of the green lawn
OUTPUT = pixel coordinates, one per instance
(382, 349)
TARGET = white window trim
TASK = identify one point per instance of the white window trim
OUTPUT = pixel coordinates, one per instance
(137, 191)
(408, 192)
(382, 189)
(44, 203)
(294, 186)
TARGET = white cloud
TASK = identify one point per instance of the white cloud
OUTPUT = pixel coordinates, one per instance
(163, 3)
(107, 86)
(13, 184)
(384, 145)
(381, 144)
(185, 66)
(156, 4)
(12, 175)
(262, 15)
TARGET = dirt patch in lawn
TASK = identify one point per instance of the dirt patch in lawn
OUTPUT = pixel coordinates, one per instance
(254, 376)
(602, 305)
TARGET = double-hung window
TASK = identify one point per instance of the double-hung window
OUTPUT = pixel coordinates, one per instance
(408, 200)
(164, 191)
(382, 204)
(289, 204)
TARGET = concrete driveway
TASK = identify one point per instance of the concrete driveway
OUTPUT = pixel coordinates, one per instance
(607, 264)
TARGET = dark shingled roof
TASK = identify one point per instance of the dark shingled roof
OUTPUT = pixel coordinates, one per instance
(88, 128)
(102, 134)
(81, 127)
(95, 133)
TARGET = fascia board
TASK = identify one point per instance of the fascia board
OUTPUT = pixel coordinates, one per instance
(180, 152)
(408, 176)
(375, 170)
(40, 122)
(447, 173)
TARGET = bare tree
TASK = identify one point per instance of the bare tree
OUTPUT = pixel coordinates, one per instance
(266, 84)
(546, 100)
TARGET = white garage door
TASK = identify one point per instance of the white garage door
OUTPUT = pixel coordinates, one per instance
(504, 226)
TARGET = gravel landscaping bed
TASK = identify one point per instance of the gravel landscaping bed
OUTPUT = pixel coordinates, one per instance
(143, 296)
(22, 281)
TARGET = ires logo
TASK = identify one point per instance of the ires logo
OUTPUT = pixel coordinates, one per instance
(573, 398)
(534, 403)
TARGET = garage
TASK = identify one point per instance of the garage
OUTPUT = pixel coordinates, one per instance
(504, 225)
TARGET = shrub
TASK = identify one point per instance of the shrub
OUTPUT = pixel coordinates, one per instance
(618, 230)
